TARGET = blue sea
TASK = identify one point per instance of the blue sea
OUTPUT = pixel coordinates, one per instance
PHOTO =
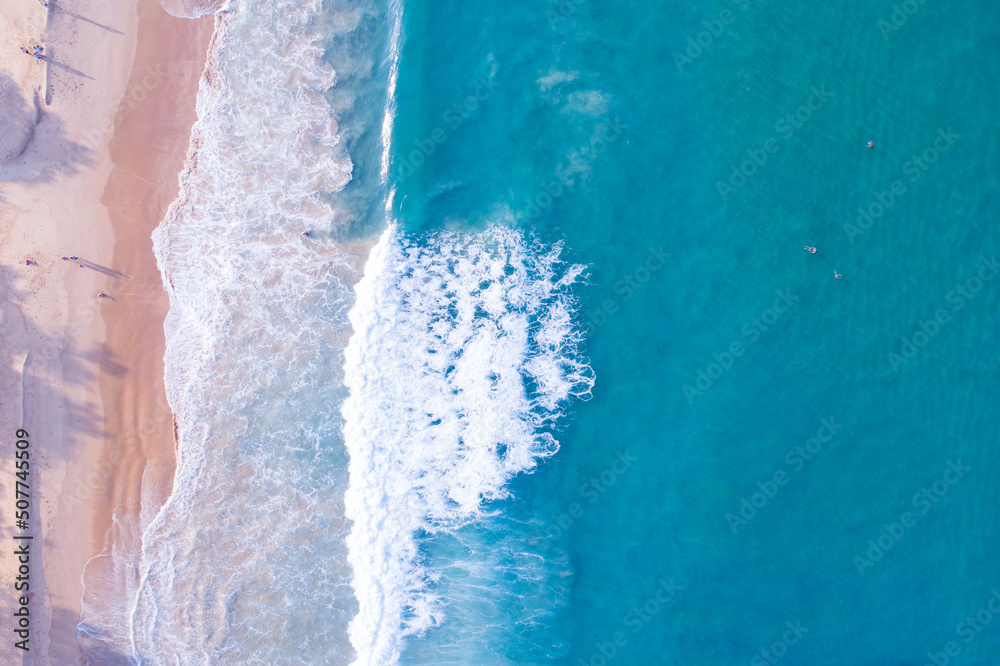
(495, 338)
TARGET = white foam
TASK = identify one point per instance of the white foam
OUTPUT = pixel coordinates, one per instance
(191, 8)
(395, 44)
(464, 350)
(587, 103)
(246, 562)
(556, 77)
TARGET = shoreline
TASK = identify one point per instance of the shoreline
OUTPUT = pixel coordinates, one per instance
(97, 137)
(151, 138)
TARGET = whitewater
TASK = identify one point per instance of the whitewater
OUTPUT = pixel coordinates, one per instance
(344, 391)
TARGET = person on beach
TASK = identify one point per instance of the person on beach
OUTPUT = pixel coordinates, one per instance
(102, 295)
(811, 249)
(27, 262)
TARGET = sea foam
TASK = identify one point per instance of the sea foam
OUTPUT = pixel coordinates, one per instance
(310, 469)
(246, 561)
(464, 351)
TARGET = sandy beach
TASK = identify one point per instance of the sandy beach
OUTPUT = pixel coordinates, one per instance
(94, 137)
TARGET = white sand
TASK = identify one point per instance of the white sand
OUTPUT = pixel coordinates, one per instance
(56, 121)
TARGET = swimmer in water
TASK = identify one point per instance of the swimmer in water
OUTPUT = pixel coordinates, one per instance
(836, 274)
(871, 144)
(811, 249)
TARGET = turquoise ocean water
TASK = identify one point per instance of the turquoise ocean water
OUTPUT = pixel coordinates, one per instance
(563, 71)
(553, 379)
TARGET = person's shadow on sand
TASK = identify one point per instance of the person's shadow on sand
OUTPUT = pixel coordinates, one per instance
(61, 65)
(56, 6)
